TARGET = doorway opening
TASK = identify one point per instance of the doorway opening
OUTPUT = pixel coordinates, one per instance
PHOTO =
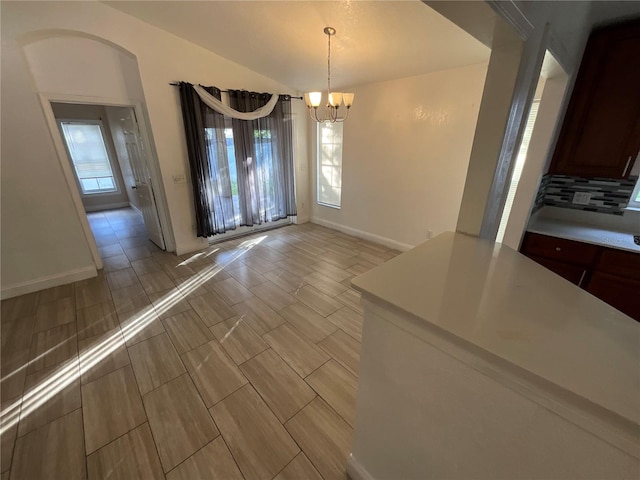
(110, 164)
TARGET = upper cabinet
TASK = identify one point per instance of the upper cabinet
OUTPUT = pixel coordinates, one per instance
(600, 136)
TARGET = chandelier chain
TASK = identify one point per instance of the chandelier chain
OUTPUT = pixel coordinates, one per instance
(329, 66)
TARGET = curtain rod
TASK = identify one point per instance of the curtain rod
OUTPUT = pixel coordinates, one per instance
(173, 84)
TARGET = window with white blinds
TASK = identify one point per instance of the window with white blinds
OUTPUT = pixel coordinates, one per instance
(89, 156)
(330, 164)
(517, 169)
(634, 202)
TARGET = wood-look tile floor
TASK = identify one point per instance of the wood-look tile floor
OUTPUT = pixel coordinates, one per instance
(239, 361)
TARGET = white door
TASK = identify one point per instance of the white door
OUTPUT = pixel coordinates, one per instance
(140, 168)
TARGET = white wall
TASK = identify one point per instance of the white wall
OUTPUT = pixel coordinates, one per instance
(114, 114)
(406, 151)
(496, 112)
(42, 239)
(37, 207)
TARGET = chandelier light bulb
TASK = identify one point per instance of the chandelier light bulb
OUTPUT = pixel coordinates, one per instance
(335, 99)
(348, 99)
(313, 99)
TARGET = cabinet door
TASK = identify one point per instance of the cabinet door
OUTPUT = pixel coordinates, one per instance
(559, 249)
(620, 263)
(574, 273)
(600, 136)
(620, 293)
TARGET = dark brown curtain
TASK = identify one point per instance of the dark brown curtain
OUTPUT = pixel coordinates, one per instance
(208, 161)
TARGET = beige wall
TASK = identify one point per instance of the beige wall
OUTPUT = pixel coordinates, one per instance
(406, 151)
(42, 236)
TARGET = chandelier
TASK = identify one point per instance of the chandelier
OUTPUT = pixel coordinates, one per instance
(334, 99)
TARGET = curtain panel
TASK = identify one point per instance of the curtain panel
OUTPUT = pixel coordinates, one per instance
(208, 162)
(264, 158)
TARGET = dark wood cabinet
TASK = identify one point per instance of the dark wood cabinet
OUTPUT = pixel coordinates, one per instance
(574, 273)
(569, 259)
(560, 249)
(611, 275)
(620, 292)
(620, 263)
(600, 135)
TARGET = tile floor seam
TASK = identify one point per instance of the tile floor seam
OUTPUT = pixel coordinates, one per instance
(84, 439)
(227, 445)
(15, 442)
(327, 401)
(106, 373)
(115, 439)
(314, 370)
(54, 367)
(289, 463)
(199, 449)
(144, 408)
(162, 384)
(264, 400)
(24, 381)
(228, 395)
(308, 458)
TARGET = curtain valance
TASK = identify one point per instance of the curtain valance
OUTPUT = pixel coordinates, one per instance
(220, 107)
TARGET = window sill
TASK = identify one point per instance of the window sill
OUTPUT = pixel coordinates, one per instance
(335, 207)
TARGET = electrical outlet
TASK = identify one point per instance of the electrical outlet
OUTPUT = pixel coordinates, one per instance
(581, 198)
(429, 234)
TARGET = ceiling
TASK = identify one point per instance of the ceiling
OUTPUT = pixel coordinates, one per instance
(284, 40)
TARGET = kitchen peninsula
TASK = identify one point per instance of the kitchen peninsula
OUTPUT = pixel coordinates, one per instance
(477, 362)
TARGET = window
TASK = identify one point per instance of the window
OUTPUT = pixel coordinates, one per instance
(330, 164)
(89, 157)
(517, 169)
(634, 201)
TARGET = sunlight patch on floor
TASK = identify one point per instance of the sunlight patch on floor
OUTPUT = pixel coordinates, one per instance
(69, 372)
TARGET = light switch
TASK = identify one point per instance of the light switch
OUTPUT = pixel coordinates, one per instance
(179, 178)
(581, 198)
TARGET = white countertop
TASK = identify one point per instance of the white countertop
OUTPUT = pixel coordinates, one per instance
(509, 306)
(583, 233)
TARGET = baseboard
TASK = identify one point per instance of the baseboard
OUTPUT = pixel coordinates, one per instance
(106, 206)
(297, 220)
(356, 471)
(50, 281)
(372, 237)
(135, 208)
(191, 246)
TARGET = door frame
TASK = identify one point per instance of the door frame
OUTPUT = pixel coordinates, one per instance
(65, 163)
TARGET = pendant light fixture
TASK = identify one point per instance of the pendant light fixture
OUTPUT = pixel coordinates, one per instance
(334, 99)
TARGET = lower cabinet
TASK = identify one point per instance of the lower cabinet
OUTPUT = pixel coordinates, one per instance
(574, 273)
(622, 293)
(609, 274)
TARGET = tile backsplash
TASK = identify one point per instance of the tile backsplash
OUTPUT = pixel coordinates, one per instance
(607, 195)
